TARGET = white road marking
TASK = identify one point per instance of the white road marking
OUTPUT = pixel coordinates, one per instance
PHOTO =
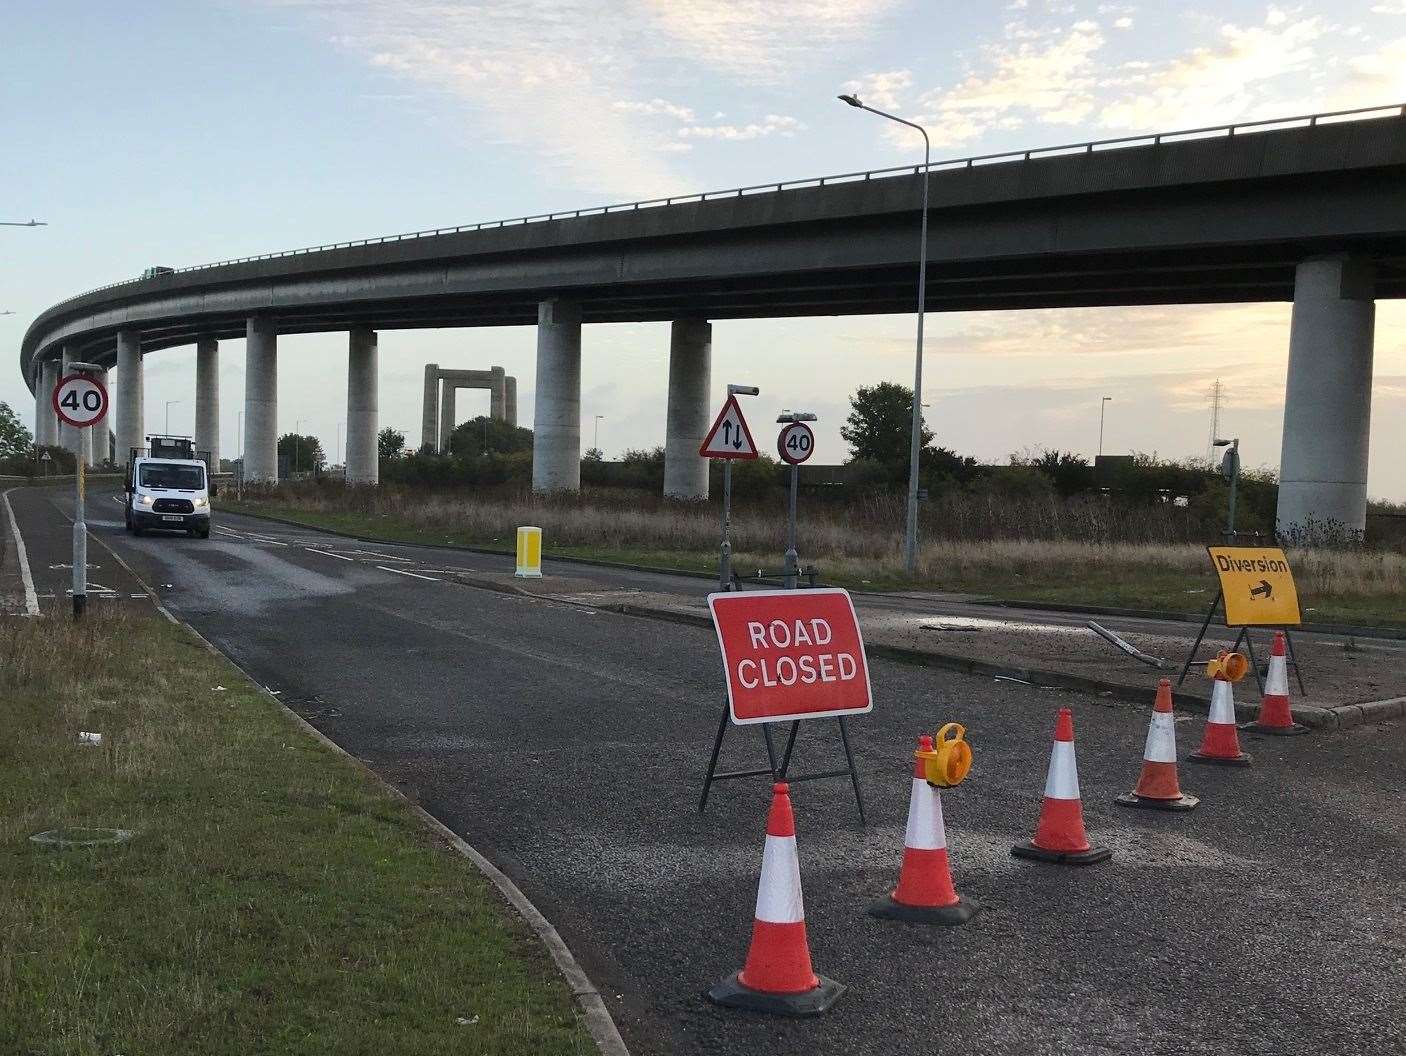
(412, 575)
(326, 553)
(383, 557)
(31, 603)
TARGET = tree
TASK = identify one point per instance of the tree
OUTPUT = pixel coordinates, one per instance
(880, 427)
(300, 454)
(16, 441)
(593, 454)
(390, 444)
(484, 435)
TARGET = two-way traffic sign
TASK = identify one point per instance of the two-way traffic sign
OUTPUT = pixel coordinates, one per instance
(729, 437)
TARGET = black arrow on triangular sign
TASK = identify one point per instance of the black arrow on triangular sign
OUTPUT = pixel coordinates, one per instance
(727, 432)
(1264, 590)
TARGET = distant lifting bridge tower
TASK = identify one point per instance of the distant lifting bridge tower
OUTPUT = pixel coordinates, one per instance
(441, 389)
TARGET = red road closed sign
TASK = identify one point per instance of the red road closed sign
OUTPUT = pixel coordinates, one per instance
(791, 654)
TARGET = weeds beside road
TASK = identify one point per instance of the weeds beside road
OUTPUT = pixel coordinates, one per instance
(859, 545)
(273, 899)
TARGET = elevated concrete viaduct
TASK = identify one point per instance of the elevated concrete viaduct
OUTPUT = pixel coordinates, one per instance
(1307, 210)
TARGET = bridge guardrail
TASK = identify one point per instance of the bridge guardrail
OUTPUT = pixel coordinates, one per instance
(1001, 157)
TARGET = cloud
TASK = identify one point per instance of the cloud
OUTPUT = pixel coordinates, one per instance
(653, 107)
(1379, 76)
(883, 90)
(763, 41)
(772, 124)
(1050, 80)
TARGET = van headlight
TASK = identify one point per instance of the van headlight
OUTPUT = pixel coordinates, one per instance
(145, 500)
(201, 502)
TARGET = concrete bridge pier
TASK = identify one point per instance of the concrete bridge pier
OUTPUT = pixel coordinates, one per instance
(1328, 396)
(429, 424)
(207, 399)
(448, 400)
(498, 393)
(556, 425)
(510, 399)
(363, 420)
(260, 400)
(690, 375)
(45, 377)
(130, 390)
(50, 379)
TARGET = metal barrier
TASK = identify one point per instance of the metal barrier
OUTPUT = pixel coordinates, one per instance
(1151, 139)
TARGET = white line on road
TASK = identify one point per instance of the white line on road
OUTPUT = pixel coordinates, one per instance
(412, 575)
(326, 553)
(31, 603)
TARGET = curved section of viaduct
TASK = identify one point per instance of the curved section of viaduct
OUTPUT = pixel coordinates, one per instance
(1312, 214)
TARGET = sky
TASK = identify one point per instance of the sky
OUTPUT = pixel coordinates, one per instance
(178, 133)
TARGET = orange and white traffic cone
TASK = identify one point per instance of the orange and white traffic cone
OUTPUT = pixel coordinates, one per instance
(778, 976)
(1220, 744)
(1275, 716)
(1059, 836)
(1157, 785)
(924, 894)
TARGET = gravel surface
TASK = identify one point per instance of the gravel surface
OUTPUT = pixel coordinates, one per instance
(568, 744)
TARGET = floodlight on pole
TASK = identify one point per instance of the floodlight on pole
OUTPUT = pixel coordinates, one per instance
(1102, 405)
(910, 540)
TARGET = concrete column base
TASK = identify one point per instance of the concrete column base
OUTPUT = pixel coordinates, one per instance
(556, 423)
(207, 399)
(363, 418)
(131, 393)
(690, 375)
(261, 401)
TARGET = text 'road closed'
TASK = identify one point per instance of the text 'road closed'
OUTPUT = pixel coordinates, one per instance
(791, 654)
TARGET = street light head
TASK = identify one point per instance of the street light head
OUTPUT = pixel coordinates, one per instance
(852, 100)
(1224, 443)
(743, 390)
(86, 368)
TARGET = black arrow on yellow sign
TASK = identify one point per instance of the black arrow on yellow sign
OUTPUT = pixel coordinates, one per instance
(1264, 590)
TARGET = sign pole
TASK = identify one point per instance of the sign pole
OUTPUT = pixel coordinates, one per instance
(725, 551)
(792, 557)
(80, 541)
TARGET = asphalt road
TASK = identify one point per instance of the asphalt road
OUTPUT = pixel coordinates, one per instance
(568, 744)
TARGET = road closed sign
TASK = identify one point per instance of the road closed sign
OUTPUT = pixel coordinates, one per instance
(791, 654)
(1257, 585)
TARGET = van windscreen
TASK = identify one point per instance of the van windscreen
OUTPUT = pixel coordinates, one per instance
(177, 478)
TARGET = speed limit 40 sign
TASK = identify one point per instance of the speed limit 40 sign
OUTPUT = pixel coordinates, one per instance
(80, 400)
(796, 443)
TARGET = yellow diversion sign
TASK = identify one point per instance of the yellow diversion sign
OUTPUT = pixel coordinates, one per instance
(1257, 585)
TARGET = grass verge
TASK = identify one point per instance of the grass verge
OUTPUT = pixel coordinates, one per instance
(274, 898)
(1334, 587)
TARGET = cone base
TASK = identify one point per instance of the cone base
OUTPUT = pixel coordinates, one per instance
(1039, 854)
(887, 909)
(1279, 731)
(1243, 759)
(1132, 799)
(730, 993)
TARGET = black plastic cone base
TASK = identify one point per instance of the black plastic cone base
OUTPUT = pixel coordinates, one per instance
(1243, 759)
(1039, 854)
(887, 909)
(730, 993)
(1278, 731)
(1132, 799)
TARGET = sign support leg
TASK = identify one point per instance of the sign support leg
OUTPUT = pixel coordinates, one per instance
(772, 771)
(1200, 635)
(725, 551)
(792, 557)
(1298, 671)
(80, 540)
(1254, 664)
(853, 773)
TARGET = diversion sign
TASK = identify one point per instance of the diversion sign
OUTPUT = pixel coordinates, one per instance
(1257, 585)
(791, 654)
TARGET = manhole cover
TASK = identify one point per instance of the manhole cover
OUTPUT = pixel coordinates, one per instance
(58, 838)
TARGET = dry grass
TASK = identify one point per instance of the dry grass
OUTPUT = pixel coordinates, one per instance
(862, 542)
(274, 899)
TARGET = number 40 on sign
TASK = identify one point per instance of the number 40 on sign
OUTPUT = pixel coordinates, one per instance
(80, 400)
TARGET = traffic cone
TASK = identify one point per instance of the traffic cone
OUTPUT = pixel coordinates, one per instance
(924, 894)
(1157, 786)
(778, 976)
(1275, 716)
(1220, 744)
(1060, 836)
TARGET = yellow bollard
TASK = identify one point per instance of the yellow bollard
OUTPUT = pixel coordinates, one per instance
(529, 553)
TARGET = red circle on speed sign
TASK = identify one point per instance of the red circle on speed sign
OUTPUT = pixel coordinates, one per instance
(796, 443)
(80, 400)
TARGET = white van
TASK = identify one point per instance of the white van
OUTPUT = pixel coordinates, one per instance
(168, 493)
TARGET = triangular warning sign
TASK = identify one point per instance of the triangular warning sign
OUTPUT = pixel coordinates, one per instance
(729, 437)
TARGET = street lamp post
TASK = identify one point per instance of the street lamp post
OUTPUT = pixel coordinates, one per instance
(1102, 405)
(595, 439)
(910, 540)
(1230, 469)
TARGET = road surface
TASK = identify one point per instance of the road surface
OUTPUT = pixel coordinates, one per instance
(568, 743)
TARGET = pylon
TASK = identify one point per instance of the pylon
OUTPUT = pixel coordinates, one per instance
(1060, 836)
(1220, 744)
(924, 894)
(1275, 716)
(1157, 785)
(778, 976)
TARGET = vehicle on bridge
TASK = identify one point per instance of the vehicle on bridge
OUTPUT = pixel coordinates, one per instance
(155, 270)
(168, 487)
